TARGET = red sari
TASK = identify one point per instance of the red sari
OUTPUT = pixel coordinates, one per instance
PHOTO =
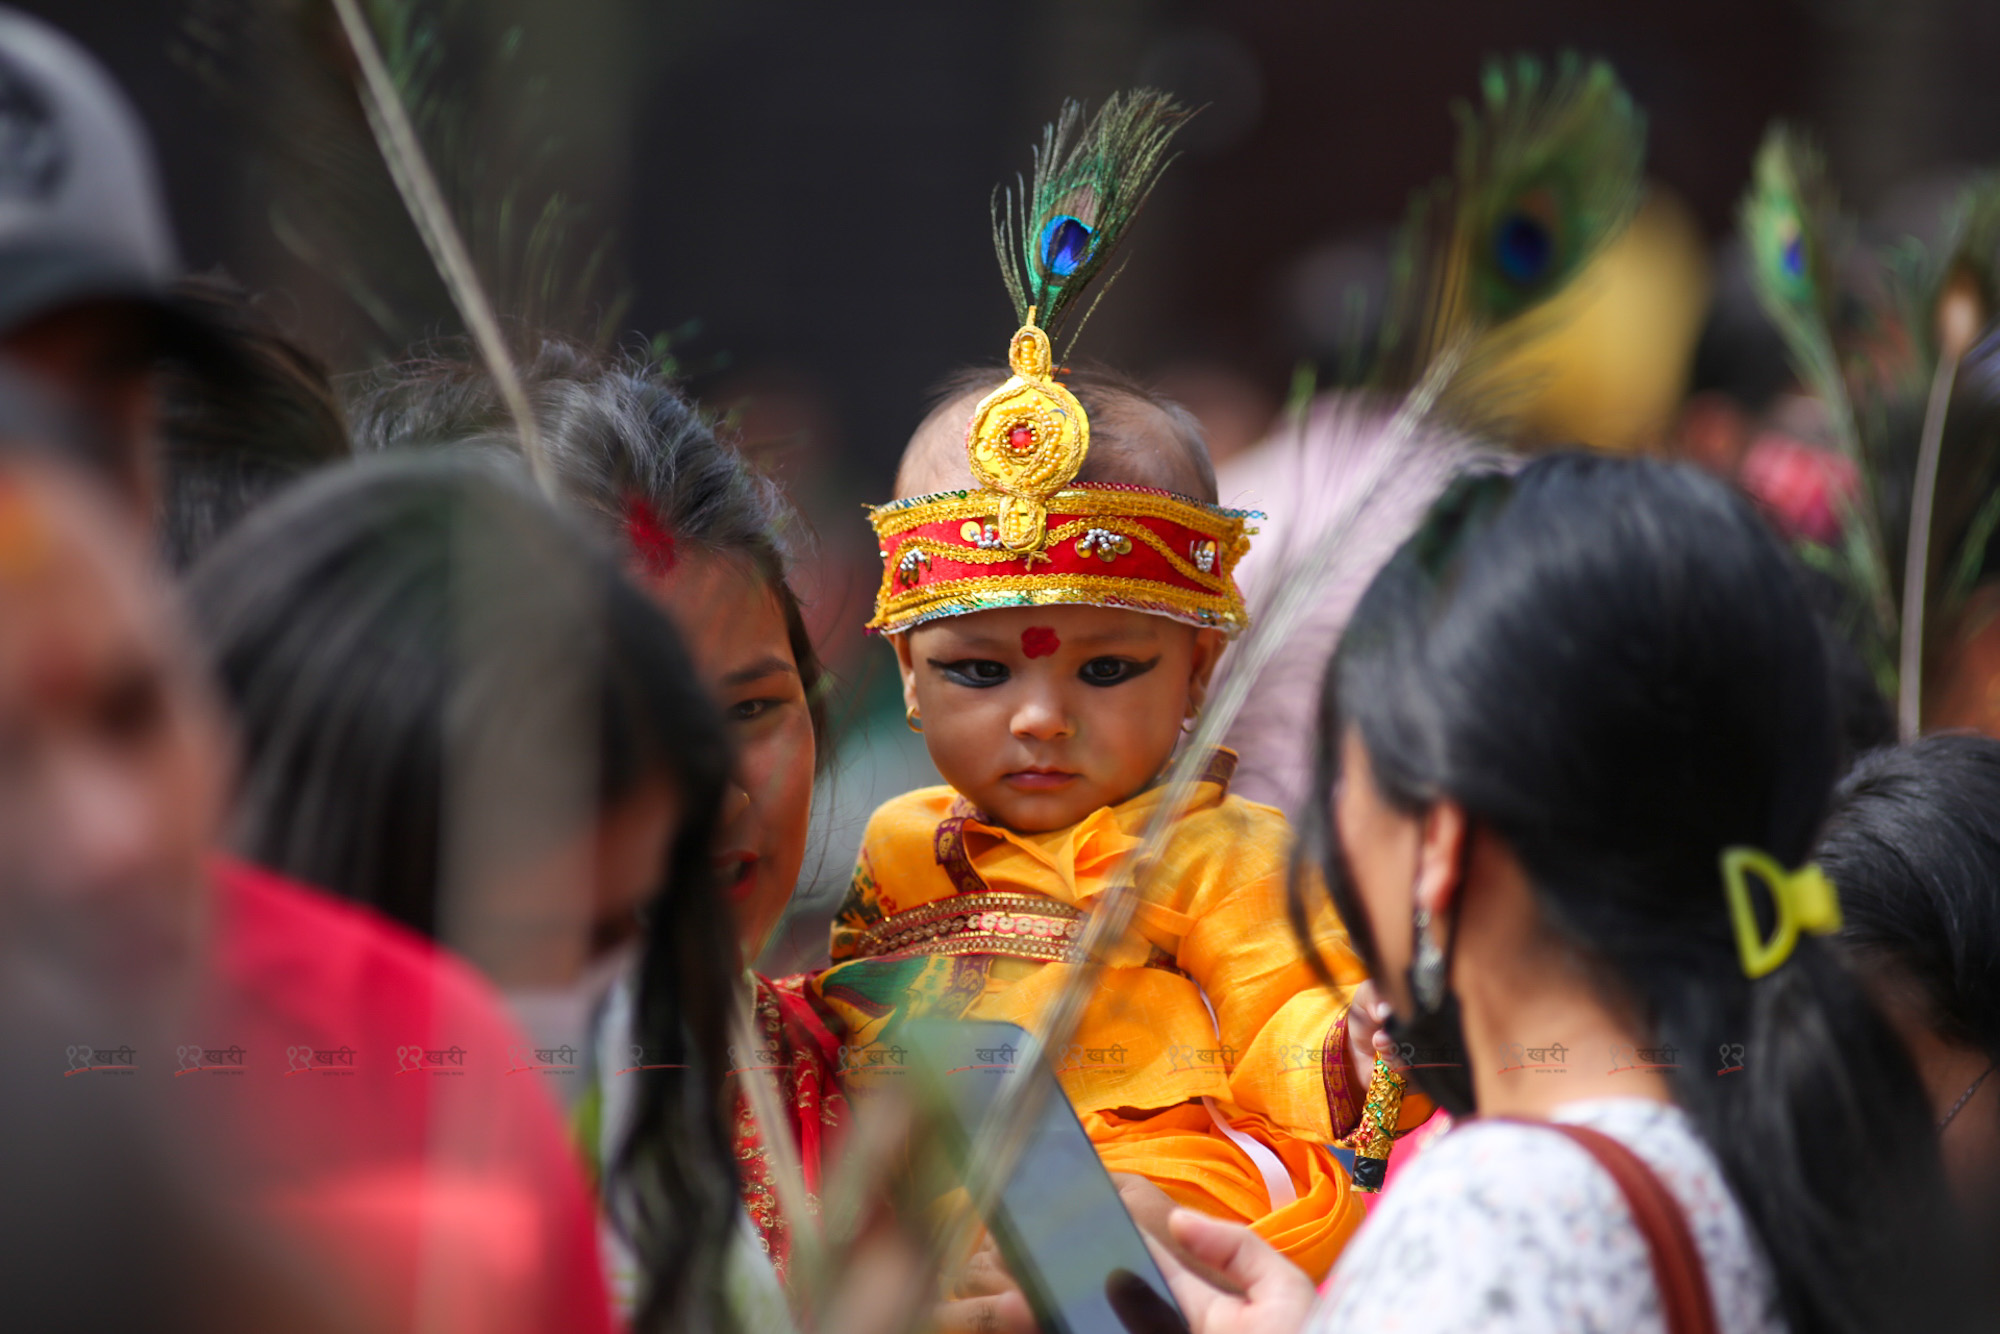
(801, 1052)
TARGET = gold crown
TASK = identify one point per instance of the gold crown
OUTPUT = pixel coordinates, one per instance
(1026, 440)
(1103, 546)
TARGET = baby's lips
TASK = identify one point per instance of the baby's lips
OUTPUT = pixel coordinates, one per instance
(1032, 780)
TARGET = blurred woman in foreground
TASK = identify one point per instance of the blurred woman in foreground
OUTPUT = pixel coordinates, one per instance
(290, 1040)
(456, 707)
(708, 539)
(1574, 748)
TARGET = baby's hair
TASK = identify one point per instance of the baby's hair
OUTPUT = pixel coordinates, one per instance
(1117, 453)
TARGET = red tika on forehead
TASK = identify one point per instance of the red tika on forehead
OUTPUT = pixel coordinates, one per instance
(1039, 641)
(651, 541)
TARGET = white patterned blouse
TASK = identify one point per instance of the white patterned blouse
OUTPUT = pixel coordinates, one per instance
(1512, 1229)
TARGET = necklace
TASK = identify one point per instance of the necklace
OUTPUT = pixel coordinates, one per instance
(1964, 1098)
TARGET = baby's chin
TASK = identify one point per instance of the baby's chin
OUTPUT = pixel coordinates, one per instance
(1041, 812)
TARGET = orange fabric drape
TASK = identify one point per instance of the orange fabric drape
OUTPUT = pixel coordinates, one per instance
(1211, 931)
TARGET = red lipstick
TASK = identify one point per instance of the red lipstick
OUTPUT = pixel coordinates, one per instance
(738, 873)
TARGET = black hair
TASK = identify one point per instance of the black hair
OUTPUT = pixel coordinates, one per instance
(1101, 390)
(1610, 666)
(615, 429)
(426, 662)
(231, 441)
(1913, 843)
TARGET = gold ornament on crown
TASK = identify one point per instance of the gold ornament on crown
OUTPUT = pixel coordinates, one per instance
(1026, 441)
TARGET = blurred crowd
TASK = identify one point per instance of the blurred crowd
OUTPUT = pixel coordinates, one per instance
(425, 895)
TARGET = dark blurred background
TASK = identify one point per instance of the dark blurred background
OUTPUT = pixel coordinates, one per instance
(808, 183)
(795, 193)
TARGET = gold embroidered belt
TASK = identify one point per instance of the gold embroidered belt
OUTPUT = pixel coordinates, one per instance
(1023, 926)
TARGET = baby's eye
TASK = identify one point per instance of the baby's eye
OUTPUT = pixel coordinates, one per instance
(1112, 671)
(978, 673)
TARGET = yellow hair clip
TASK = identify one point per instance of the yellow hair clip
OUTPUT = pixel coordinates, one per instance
(1805, 900)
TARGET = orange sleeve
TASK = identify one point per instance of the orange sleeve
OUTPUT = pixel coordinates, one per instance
(1272, 1010)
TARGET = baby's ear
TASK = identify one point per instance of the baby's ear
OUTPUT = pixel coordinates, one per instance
(1208, 646)
(907, 664)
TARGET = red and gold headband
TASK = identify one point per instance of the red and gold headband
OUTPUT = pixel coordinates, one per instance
(1027, 537)
(1106, 546)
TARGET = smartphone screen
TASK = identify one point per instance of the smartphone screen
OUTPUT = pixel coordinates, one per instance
(1060, 1225)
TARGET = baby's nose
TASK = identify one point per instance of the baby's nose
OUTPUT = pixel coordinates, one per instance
(1042, 718)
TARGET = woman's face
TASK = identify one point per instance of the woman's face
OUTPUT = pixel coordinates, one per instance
(1380, 845)
(1970, 1142)
(113, 757)
(735, 628)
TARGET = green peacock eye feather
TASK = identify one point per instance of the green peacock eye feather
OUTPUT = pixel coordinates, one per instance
(1547, 173)
(1055, 234)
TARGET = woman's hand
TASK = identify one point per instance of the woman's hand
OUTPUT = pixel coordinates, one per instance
(1272, 1295)
(1002, 1313)
(985, 1299)
(1367, 1012)
(1149, 1206)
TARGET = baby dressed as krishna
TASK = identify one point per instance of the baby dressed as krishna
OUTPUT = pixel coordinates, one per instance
(1058, 587)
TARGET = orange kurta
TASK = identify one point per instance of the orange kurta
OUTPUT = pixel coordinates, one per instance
(1206, 1008)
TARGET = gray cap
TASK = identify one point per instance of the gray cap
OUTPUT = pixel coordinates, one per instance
(81, 215)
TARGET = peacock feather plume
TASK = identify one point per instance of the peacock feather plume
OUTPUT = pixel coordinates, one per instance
(1878, 336)
(1791, 227)
(1547, 173)
(334, 183)
(1946, 307)
(1090, 180)
(1793, 233)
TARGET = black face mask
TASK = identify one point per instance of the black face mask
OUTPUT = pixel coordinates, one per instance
(1430, 1042)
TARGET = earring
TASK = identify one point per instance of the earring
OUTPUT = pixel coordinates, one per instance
(1192, 721)
(1427, 970)
(913, 720)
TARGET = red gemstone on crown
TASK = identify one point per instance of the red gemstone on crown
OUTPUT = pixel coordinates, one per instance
(1021, 438)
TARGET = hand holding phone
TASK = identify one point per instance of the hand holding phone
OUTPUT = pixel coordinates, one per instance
(1059, 1222)
(1261, 1292)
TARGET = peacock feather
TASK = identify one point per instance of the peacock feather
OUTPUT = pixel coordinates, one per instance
(1790, 223)
(1878, 337)
(1547, 173)
(1090, 180)
(1794, 233)
(1955, 301)
(290, 74)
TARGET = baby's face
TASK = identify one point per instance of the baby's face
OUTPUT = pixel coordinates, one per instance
(1040, 715)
